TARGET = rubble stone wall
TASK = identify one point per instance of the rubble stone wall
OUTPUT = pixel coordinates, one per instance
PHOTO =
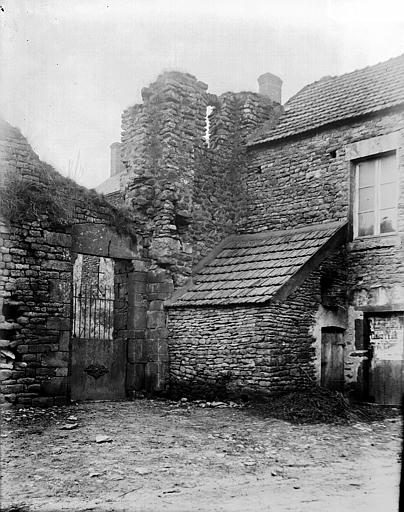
(36, 259)
(183, 189)
(309, 179)
(183, 192)
(252, 351)
(218, 203)
(306, 179)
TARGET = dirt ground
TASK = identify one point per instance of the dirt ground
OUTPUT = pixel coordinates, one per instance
(166, 456)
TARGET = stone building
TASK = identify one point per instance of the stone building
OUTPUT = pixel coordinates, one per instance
(289, 301)
(262, 249)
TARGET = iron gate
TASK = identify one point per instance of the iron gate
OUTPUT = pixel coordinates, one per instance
(98, 351)
(93, 312)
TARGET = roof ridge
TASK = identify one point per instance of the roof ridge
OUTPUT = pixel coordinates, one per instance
(361, 92)
(331, 78)
(319, 226)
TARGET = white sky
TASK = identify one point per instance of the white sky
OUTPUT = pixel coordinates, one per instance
(69, 67)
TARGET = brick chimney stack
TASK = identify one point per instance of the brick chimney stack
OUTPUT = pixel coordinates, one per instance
(116, 163)
(270, 85)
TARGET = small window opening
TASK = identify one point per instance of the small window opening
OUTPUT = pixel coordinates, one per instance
(209, 110)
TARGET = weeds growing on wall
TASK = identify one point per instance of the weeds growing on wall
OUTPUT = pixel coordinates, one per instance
(49, 196)
(27, 200)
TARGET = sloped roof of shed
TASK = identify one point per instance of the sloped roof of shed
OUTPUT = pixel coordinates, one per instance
(333, 99)
(255, 268)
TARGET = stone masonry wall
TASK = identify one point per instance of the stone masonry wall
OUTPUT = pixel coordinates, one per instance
(308, 179)
(183, 195)
(183, 191)
(36, 271)
(252, 351)
(159, 141)
(217, 200)
(304, 180)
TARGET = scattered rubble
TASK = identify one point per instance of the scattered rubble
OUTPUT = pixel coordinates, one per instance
(191, 455)
(38, 416)
(142, 471)
(186, 403)
(319, 405)
(17, 508)
(315, 405)
(69, 426)
(103, 439)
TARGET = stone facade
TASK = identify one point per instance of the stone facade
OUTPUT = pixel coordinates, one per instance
(255, 351)
(38, 247)
(295, 182)
(317, 171)
(183, 190)
(312, 169)
(191, 175)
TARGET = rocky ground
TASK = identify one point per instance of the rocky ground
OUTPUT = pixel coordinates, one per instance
(152, 455)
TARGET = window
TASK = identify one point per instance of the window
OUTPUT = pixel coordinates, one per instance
(376, 196)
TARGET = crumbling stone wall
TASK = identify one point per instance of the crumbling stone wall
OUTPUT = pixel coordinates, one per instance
(36, 320)
(183, 192)
(159, 141)
(36, 258)
(218, 202)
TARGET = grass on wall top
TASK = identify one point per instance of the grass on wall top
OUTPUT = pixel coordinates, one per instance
(46, 195)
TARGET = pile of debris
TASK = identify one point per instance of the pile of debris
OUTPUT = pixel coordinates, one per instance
(319, 405)
(215, 404)
(29, 416)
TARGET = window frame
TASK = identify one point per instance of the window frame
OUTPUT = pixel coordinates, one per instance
(377, 158)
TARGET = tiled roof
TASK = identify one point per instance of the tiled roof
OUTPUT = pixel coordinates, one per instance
(110, 185)
(255, 268)
(337, 98)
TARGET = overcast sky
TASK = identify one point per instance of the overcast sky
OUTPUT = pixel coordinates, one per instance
(69, 67)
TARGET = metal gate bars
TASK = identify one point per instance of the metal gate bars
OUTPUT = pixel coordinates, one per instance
(93, 311)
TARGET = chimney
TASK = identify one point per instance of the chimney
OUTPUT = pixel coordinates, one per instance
(116, 164)
(270, 85)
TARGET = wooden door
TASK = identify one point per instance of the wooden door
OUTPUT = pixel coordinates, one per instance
(332, 359)
(98, 369)
(386, 341)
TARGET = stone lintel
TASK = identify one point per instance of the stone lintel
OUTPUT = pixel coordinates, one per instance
(100, 240)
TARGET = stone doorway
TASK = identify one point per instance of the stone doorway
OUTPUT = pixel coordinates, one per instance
(99, 317)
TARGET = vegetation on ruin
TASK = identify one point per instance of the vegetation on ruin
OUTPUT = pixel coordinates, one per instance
(54, 198)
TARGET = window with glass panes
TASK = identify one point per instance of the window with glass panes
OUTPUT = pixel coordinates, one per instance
(376, 196)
